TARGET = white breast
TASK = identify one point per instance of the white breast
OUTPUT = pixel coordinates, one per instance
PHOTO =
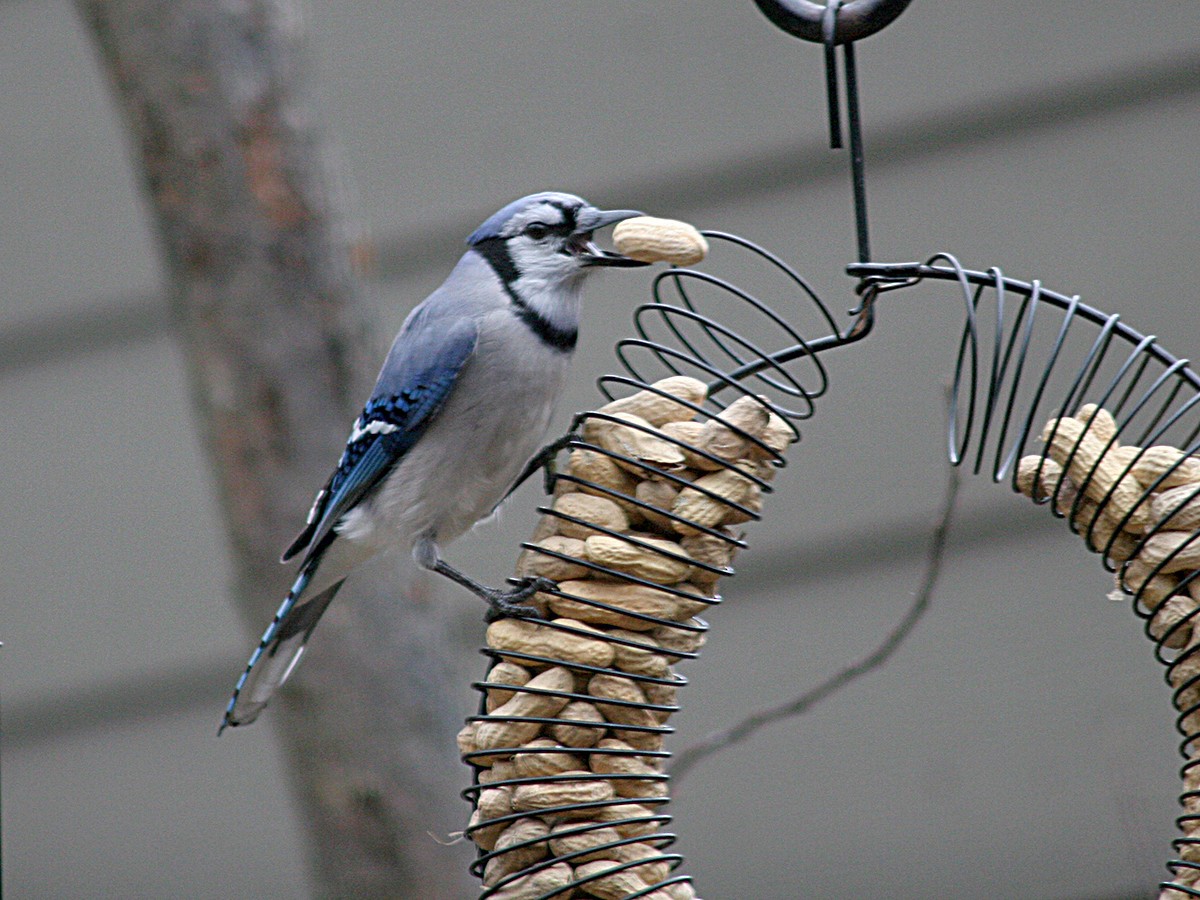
(495, 420)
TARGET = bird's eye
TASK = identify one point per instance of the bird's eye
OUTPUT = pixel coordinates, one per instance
(537, 230)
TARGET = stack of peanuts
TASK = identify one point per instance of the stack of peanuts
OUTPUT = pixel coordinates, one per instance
(570, 755)
(1140, 507)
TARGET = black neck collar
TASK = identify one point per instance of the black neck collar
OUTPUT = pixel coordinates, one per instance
(495, 251)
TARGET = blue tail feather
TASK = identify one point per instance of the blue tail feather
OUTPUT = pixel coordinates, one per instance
(269, 637)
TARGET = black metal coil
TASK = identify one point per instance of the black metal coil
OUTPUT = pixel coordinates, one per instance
(709, 328)
(1028, 355)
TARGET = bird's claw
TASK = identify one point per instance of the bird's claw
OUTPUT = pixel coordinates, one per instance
(508, 604)
(549, 474)
(549, 460)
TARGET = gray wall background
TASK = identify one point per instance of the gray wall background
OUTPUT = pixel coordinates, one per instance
(1020, 745)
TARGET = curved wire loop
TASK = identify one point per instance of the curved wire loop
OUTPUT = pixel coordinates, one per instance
(856, 19)
(691, 327)
(1029, 357)
(742, 340)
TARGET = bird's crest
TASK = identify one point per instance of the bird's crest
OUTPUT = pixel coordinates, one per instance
(559, 207)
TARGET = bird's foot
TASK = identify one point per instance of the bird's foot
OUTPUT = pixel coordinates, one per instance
(548, 460)
(508, 603)
(545, 461)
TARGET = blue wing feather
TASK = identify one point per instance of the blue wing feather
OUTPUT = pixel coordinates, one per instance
(417, 379)
(389, 425)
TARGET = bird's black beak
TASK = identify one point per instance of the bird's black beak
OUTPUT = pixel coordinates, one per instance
(591, 219)
(595, 256)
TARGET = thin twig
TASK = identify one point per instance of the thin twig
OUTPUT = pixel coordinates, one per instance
(722, 740)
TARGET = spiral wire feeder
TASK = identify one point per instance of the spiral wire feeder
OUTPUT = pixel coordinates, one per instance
(755, 349)
(718, 332)
(1028, 355)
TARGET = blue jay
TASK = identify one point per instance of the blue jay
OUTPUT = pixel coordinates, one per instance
(460, 408)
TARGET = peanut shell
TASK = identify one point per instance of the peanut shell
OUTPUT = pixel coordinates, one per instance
(697, 509)
(640, 660)
(1156, 462)
(1176, 551)
(661, 695)
(655, 869)
(592, 842)
(720, 435)
(632, 598)
(640, 561)
(592, 511)
(580, 725)
(491, 804)
(1177, 609)
(1177, 508)
(546, 796)
(1151, 589)
(647, 741)
(554, 567)
(635, 438)
(657, 409)
(1124, 455)
(511, 861)
(1082, 455)
(688, 436)
(540, 639)
(711, 549)
(604, 475)
(615, 687)
(681, 640)
(501, 770)
(651, 239)
(542, 883)
(776, 434)
(484, 836)
(1042, 470)
(542, 757)
(628, 820)
(1100, 422)
(649, 783)
(504, 672)
(492, 734)
(661, 495)
(617, 885)
(752, 506)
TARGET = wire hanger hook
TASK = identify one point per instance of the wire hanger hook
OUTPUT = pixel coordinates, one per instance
(856, 19)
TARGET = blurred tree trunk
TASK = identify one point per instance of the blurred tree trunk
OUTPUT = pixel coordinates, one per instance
(268, 309)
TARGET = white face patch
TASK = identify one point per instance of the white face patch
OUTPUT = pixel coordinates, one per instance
(542, 264)
(543, 261)
(545, 213)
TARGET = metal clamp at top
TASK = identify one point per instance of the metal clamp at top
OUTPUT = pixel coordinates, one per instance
(856, 19)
